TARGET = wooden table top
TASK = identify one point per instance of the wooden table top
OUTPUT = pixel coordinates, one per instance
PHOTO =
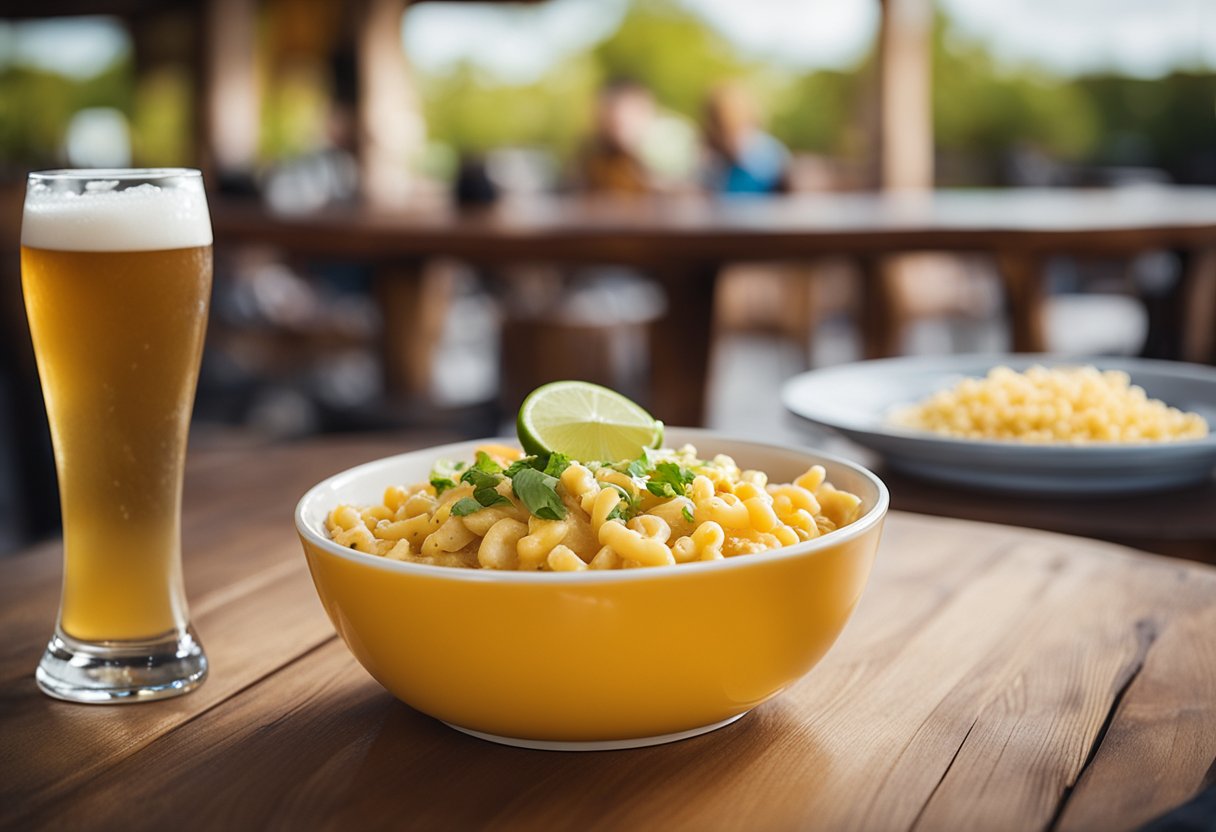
(693, 228)
(1178, 522)
(992, 678)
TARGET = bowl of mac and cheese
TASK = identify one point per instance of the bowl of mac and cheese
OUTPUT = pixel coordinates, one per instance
(574, 604)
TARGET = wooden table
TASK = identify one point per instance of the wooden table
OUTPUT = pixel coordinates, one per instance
(684, 242)
(992, 678)
(1179, 522)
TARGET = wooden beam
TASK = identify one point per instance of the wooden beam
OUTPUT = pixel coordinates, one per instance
(905, 94)
(391, 130)
(904, 158)
(229, 97)
(125, 9)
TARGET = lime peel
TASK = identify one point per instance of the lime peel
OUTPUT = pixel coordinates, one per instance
(585, 421)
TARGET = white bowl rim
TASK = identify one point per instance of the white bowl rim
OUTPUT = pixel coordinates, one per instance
(855, 529)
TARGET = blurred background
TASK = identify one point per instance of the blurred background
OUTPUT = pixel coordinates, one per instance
(445, 109)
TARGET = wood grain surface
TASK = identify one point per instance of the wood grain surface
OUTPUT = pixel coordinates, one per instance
(992, 678)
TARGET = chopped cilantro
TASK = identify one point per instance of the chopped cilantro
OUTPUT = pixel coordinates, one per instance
(532, 462)
(688, 515)
(637, 468)
(486, 464)
(641, 466)
(444, 474)
(441, 484)
(465, 506)
(557, 463)
(480, 479)
(662, 489)
(482, 498)
(490, 497)
(671, 479)
(538, 492)
(628, 506)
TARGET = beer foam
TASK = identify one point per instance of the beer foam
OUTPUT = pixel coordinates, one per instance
(142, 218)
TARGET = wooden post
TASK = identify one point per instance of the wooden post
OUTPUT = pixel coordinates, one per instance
(1198, 300)
(413, 319)
(904, 158)
(681, 343)
(1022, 274)
(391, 130)
(905, 128)
(229, 99)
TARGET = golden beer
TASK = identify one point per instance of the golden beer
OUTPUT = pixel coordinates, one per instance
(119, 336)
(116, 272)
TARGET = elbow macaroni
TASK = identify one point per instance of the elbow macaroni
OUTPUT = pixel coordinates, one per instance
(1063, 404)
(725, 512)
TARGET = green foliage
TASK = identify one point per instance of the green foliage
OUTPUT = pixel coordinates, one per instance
(671, 51)
(160, 122)
(978, 107)
(1167, 122)
(36, 106)
(981, 110)
(474, 114)
(813, 112)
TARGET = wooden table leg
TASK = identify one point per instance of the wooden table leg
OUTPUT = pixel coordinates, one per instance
(411, 327)
(1191, 319)
(681, 342)
(880, 322)
(1022, 275)
(1198, 319)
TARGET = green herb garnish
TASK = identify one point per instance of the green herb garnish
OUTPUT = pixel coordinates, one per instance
(688, 515)
(641, 466)
(533, 462)
(556, 463)
(628, 506)
(669, 480)
(444, 474)
(538, 492)
(465, 506)
(482, 498)
(479, 479)
(486, 463)
(662, 489)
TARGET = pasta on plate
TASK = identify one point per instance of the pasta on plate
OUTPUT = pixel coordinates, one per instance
(1061, 404)
(508, 511)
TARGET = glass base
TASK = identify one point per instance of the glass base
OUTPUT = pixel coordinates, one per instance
(120, 672)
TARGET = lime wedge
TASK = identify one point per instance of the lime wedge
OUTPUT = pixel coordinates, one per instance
(586, 422)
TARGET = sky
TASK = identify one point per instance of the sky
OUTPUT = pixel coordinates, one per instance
(1144, 38)
(79, 47)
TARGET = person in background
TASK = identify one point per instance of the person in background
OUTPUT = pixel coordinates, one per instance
(743, 158)
(612, 160)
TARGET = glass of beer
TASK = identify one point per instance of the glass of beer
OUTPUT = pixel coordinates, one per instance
(116, 272)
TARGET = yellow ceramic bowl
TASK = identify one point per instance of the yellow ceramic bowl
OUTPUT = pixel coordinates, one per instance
(593, 659)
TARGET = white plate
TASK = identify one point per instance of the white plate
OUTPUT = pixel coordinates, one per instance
(855, 400)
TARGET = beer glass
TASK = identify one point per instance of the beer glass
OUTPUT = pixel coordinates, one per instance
(116, 272)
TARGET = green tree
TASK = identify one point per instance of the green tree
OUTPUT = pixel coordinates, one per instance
(671, 51)
(814, 111)
(981, 110)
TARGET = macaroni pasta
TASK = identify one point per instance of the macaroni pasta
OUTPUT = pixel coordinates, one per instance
(506, 511)
(1070, 404)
